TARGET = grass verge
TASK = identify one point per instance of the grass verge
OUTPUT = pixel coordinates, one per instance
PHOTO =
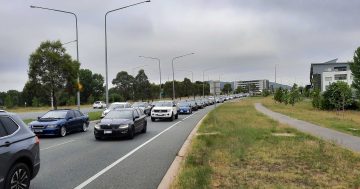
(348, 122)
(245, 154)
(94, 115)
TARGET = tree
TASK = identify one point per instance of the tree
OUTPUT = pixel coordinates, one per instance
(355, 69)
(316, 99)
(278, 97)
(338, 95)
(85, 76)
(187, 87)
(52, 68)
(239, 89)
(124, 84)
(97, 86)
(265, 92)
(294, 95)
(227, 88)
(142, 86)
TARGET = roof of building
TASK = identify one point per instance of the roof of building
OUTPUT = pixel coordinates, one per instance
(334, 61)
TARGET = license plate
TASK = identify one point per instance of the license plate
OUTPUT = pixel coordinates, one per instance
(107, 132)
(38, 131)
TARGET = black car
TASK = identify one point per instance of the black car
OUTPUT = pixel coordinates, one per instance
(19, 152)
(60, 122)
(121, 122)
(194, 105)
(144, 106)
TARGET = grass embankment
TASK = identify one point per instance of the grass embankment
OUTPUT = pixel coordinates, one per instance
(245, 153)
(348, 122)
(43, 108)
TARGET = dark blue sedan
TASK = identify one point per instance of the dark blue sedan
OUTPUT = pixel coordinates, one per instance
(185, 107)
(60, 122)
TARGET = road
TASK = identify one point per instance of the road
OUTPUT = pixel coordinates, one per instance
(79, 161)
(34, 115)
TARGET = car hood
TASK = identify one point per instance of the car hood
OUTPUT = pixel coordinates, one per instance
(47, 122)
(162, 108)
(115, 121)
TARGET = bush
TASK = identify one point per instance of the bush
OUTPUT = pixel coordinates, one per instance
(338, 96)
(278, 97)
(316, 99)
(265, 93)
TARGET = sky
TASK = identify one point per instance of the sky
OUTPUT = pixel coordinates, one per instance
(232, 39)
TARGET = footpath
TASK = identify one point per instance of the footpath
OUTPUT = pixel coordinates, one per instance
(345, 140)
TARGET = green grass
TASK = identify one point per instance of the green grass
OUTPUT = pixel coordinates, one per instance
(27, 121)
(246, 154)
(348, 122)
(94, 115)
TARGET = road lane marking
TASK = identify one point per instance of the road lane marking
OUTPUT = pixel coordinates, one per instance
(57, 145)
(189, 116)
(88, 181)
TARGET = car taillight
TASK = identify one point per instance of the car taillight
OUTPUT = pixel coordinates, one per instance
(37, 140)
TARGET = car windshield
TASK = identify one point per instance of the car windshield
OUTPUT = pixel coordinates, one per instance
(119, 114)
(55, 115)
(163, 104)
(184, 104)
(115, 106)
(138, 104)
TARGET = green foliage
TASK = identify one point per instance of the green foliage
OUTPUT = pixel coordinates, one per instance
(93, 86)
(279, 93)
(355, 69)
(141, 86)
(294, 95)
(91, 99)
(124, 85)
(227, 88)
(338, 96)
(316, 99)
(52, 68)
(9, 102)
(265, 93)
(239, 90)
(285, 97)
(35, 102)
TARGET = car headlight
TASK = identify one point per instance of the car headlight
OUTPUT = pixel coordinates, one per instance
(169, 110)
(97, 126)
(51, 126)
(123, 126)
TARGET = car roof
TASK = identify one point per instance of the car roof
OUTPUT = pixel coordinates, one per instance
(120, 103)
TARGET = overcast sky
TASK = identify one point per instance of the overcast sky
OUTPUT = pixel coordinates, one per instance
(242, 39)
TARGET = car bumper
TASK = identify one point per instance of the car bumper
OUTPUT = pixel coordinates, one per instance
(110, 133)
(55, 131)
(161, 115)
(36, 169)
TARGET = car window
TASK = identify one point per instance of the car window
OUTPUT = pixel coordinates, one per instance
(9, 125)
(136, 114)
(2, 130)
(77, 113)
(70, 114)
(57, 114)
(140, 112)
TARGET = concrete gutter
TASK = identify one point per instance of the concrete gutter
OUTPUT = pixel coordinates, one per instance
(173, 171)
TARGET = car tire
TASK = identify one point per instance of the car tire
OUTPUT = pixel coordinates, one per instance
(13, 179)
(131, 133)
(177, 116)
(145, 128)
(84, 127)
(63, 131)
(172, 118)
(153, 119)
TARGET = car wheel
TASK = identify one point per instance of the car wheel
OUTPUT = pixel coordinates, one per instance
(177, 116)
(172, 117)
(62, 131)
(145, 128)
(131, 133)
(18, 177)
(84, 127)
(153, 119)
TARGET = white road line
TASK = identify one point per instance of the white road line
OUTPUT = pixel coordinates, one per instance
(88, 181)
(57, 145)
(189, 116)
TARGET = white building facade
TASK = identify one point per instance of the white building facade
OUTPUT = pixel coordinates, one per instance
(259, 85)
(335, 76)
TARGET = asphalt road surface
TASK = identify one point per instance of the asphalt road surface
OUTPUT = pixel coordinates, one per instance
(35, 115)
(80, 161)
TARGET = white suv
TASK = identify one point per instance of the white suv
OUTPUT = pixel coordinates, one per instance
(164, 110)
(99, 104)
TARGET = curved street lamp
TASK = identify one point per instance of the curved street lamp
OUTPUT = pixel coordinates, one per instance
(172, 65)
(106, 63)
(159, 70)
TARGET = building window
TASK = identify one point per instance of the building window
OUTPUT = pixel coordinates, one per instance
(340, 68)
(341, 77)
(328, 78)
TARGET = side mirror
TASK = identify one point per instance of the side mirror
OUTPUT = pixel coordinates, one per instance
(174, 105)
(38, 118)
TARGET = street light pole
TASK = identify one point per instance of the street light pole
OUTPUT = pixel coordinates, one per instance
(159, 70)
(77, 43)
(172, 65)
(192, 79)
(106, 63)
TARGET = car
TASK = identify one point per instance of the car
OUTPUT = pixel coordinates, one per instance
(200, 103)
(194, 106)
(164, 110)
(121, 122)
(19, 152)
(115, 105)
(60, 122)
(144, 106)
(185, 107)
(99, 104)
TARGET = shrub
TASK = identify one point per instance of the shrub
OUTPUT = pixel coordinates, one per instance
(338, 96)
